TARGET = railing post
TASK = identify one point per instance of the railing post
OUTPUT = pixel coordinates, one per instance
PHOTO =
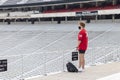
(22, 69)
(118, 56)
(45, 74)
(92, 58)
(63, 61)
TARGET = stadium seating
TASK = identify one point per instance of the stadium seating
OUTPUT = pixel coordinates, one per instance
(29, 48)
(11, 2)
(33, 50)
(83, 9)
(34, 1)
(112, 7)
(27, 14)
(22, 2)
(2, 2)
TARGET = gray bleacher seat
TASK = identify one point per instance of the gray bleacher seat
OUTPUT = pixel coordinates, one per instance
(34, 1)
(11, 2)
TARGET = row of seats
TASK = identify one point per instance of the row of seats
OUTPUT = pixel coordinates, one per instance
(34, 1)
(11, 2)
(83, 9)
(27, 14)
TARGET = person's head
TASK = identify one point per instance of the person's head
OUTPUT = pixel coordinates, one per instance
(82, 24)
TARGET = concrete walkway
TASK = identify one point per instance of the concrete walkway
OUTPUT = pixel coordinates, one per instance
(91, 73)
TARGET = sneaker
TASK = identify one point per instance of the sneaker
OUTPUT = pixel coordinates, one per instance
(80, 69)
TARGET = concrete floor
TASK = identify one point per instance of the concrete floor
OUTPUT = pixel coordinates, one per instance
(91, 73)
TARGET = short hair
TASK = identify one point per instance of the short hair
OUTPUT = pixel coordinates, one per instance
(82, 24)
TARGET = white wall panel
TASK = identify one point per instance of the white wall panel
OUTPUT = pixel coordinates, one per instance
(107, 12)
(62, 14)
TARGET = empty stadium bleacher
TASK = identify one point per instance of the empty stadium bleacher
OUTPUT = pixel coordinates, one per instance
(15, 12)
(15, 2)
(34, 1)
(11, 2)
(84, 9)
(30, 48)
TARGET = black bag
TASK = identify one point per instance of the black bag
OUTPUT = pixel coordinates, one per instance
(71, 67)
(74, 56)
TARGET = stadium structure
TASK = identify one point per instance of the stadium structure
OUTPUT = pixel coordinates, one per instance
(58, 10)
(27, 51)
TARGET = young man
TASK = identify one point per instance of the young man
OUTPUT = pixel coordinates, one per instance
(82, 45)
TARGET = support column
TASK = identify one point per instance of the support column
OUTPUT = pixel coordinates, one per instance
(66, 6)
(81, 5)
(53, 7)
(96, 4)
(65, 19)
(113, 18)
(113, 2)
(96, 18)
(39, 19)
(80, 18)
(52, 20)
(15, 20)
(3, 21)
(26, 20)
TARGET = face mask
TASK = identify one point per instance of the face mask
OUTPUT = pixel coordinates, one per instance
(79, 27)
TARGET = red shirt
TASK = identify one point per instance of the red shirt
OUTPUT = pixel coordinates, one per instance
(83, 37)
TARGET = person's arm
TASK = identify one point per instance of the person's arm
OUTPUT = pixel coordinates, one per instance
(78, 44)
(80, 35)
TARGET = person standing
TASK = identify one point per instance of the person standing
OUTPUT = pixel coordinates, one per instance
(82, 45)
